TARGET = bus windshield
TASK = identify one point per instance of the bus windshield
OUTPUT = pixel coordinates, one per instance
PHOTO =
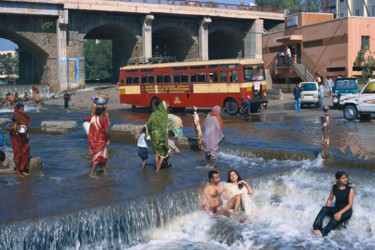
(253, 73)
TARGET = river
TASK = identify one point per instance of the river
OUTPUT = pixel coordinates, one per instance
(60, 207)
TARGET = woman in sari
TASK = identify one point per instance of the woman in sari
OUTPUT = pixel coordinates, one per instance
(19, 134)
(98, 138)
(157, 130)
(213, 134)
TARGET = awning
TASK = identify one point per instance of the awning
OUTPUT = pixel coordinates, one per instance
(290, 38)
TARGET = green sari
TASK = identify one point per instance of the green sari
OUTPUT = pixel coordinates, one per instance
(157, 129)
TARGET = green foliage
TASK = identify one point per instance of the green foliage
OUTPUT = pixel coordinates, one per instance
(8, 64)
(98, 59)
(47, 25)
(293, 5)
(366, 64)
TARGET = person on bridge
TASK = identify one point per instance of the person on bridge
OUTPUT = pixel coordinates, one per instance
(157, 130)
(341, 212)
(19, 135)
(98, 139)
(212, 134)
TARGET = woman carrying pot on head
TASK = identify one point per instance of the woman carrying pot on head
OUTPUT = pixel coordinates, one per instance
(100, 100)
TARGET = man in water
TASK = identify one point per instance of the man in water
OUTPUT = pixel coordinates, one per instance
(212, 196)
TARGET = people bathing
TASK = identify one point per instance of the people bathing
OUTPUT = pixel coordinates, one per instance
(341, 212)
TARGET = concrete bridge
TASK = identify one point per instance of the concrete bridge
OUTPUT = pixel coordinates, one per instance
(51, 33)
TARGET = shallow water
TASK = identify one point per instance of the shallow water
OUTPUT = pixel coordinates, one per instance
(60, 207)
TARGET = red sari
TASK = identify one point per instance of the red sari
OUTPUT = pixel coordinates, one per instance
(98, 139)
(20, 142)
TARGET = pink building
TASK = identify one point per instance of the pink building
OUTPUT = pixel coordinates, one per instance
(318, 43)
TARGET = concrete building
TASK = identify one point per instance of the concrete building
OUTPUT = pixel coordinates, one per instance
(346, 8)
(318, 43)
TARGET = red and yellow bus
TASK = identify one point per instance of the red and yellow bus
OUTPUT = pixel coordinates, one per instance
(203, 84)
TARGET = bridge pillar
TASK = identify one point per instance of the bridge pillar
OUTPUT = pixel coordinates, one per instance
(253, 40)
(203, 39)
(147, 37)
(61, 24)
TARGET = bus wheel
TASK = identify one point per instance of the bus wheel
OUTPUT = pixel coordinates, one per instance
(155, 103)
(254, 108)
(231, 106)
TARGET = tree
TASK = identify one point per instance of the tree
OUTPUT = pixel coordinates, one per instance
(365, 64)
(9, 64)
(98, 59)
(293, 5)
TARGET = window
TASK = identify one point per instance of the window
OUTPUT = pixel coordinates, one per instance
(180, 78)
(132, 80)
(315, 43)
(370, 88)
(373, 10)
(233, 76)
(147, 79)
(223, 76)
(357, 12)
(198, 78)
(213, 77)
(365, 42)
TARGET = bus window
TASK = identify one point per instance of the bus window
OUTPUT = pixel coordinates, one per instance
(132, 80)
(233, 76)
(166, 78)
(201, 77)
(223, 76)
(147, 79)
(229, 66)
(176, 79)
(213, 77)
(184, 78)
(159, 79)
(150, 79)
(252, 73)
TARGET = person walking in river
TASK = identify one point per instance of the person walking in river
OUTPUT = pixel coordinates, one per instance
(212, 134)
(341, 212)
(37, 100)
(98, 139)
(19, 135)
(143, 148)
(175, 125)
(157, 130)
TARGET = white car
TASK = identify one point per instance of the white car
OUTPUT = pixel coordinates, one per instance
(310, 93)
(362, 103)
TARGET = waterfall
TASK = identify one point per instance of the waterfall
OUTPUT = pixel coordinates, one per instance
(121, 224)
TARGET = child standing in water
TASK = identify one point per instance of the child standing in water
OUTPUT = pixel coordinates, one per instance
(143, 148)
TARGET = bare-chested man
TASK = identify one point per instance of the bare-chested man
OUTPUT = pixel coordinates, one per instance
(37, 100)
(213, 196)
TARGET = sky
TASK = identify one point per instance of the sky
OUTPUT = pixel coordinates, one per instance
(8, 45)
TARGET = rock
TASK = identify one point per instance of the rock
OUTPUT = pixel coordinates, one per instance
(3, 121)
(8, 166)
(127, 128)
(59, 124)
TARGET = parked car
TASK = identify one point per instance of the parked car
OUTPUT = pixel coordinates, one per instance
(362, 104)
(343, 86)
(309, 94)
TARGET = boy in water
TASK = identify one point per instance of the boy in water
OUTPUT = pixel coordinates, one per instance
(143, 148)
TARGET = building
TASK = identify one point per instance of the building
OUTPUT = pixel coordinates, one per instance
(346, 8)
(318, 43)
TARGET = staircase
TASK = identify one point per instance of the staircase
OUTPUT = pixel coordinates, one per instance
(303, 72)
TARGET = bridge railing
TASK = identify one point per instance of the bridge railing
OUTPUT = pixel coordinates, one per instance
(210, 4)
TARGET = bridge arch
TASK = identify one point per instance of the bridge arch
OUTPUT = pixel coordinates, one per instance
(172, 42)
(225, 44)
(124, 44)
(33, 60)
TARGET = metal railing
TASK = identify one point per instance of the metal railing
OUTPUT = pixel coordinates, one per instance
(211, 4)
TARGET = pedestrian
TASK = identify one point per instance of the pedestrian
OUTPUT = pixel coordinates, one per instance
(245, 105)
(321, 96)
(297, 97)
(213, 134)
(288, 55)
(317, 77)
(329, 85)
(157, 130)
(341, 212)
(37, 100)
(98, 139)
(66, 97)
(25, 99)
(18, 128)
(175, 125)
(143, 148)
